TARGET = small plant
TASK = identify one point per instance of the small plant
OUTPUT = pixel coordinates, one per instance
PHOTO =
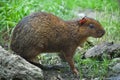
(92, 68)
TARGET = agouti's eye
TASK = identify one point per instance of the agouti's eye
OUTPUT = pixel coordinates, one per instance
(91, 26)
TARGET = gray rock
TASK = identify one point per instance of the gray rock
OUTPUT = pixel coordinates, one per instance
(113, 78)
(13, 67)
(114, 62)
(107, 47)
(116, 68)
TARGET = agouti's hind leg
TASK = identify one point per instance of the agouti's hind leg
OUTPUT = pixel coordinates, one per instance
(32, 60)
(31, 56)
(45, 67)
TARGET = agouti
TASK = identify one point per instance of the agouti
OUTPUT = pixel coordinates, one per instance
(44, 32)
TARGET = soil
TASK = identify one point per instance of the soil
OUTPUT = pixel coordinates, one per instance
(63, 74)
(60, 70)
(57, 68)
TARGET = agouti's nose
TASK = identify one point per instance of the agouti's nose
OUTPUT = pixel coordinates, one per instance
(101, 33)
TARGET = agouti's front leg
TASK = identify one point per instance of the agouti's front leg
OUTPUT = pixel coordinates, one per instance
(68, 55)
(70, 61)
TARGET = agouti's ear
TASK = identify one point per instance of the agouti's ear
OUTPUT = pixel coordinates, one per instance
(82, 21)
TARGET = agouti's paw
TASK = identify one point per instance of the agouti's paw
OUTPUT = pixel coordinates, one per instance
(75, 71)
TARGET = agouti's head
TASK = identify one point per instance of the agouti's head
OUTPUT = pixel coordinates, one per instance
(90, 27)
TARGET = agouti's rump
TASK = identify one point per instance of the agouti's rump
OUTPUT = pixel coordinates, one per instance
(44, 32)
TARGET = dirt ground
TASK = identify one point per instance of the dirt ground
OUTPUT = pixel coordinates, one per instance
(60, 75)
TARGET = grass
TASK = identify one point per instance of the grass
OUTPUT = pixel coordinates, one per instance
(12, 11)
(92, 68)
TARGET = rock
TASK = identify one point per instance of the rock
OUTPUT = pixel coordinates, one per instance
(114, 62)
(13, 67)
(113, 78)
(109, 48)
(116, 68)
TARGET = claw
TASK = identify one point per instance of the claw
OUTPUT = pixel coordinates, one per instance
(75, 71)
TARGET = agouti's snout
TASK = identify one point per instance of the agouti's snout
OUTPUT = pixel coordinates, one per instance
(101, 33)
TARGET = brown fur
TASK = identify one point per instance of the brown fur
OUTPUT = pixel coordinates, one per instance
(44, 32)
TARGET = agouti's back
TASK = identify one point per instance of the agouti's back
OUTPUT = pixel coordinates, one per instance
(41, 30)
(44, 32)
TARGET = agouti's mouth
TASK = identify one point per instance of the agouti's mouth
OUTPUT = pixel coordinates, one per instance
(101, 33)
